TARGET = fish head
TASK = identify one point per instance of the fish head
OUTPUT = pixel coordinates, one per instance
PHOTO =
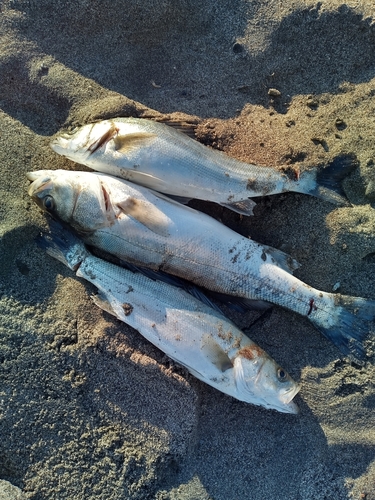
(79, 199)
(261, 381)
(79, 144)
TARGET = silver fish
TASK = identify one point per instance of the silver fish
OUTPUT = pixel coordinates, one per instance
(151, 230)
(160, 157)
(201, 339)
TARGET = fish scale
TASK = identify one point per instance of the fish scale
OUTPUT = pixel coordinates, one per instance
(148, 229)
(162, 158)
(198, 337)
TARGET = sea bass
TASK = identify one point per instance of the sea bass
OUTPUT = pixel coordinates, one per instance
(149, 229)
(164, 159)
(201, 339)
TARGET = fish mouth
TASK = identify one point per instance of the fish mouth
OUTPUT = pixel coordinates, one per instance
(286, 403)
(32, 176)
(60, 144)
(288, 395)
(282, 405)
(40, 182)
(290, 407)
(286, 400)
(63, 146)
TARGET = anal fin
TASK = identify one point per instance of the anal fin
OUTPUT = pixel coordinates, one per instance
(180, 199)
(100, 300)
(243, 207)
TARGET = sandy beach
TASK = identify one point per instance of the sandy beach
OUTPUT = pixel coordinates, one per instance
(88, 408)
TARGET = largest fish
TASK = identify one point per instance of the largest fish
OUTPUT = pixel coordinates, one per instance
(149, 229)
(196, 336)
(160, 157)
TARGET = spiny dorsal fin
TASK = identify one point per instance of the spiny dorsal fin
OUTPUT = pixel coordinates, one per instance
(147, 214)
(182, 126)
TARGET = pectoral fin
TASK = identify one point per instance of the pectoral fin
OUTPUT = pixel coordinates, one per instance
(147, 214)
(127, 143)
(215, 353)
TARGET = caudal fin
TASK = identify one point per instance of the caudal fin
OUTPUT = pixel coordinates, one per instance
(329, 179)
(349, 324)
(63, 245)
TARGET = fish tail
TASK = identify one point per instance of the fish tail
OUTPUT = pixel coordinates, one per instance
(63, 245)
(328, 180)
(348, 325)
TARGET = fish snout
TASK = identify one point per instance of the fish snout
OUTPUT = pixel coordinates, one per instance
(287, 396)
(61, 144)
(290, 407)
(41, 185)
(32, 176)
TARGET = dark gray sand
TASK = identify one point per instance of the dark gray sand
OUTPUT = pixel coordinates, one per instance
(88, 408)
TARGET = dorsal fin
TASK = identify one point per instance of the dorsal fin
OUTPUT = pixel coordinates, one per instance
(182, 126)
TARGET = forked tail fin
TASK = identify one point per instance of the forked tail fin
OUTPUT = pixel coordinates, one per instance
(63, 245)
(329, 179)
(348, 325)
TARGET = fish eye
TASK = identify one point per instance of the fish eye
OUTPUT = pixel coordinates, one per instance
(49, 203)
(281, 375)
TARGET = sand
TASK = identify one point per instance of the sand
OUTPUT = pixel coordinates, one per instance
(88, 408)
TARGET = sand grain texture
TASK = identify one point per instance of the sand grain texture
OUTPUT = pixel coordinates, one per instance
(88, 408)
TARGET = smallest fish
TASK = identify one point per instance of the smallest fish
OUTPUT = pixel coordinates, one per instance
(193, 334)
(162, 158)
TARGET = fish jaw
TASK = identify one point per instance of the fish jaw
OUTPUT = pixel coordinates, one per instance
(287, 405)
(40, 176)
(284, 402)
(65, 146)
(291, 408)
(289, 394)
(80, 145)
(61, 145)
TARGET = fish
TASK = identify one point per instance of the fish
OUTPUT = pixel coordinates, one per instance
(149, 229)
(164, 159)
(191, 333)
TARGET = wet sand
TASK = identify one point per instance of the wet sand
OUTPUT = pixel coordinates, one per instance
(88, 408)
